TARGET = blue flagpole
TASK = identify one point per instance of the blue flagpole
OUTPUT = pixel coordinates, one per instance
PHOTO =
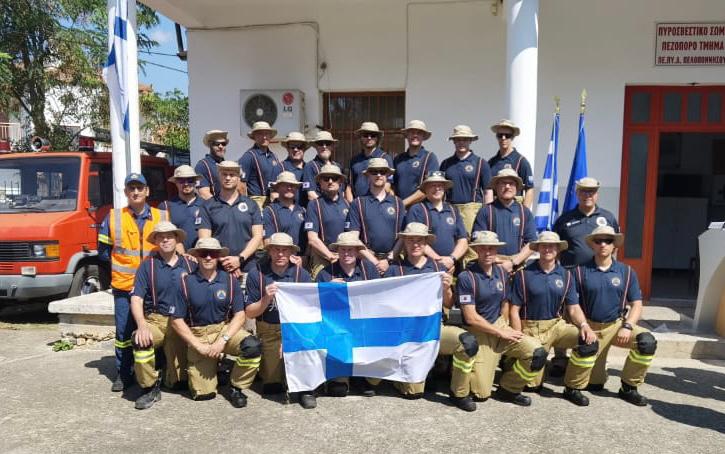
(579, 166)
(547, 208)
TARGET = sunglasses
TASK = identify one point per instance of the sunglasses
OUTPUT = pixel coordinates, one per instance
(601, 241)
(330, 178)
(378, 172)
(504, 135)
(211, 253)
(296, 146)
(324, 143)
(369, 135)
(220, 144)
(186, 180)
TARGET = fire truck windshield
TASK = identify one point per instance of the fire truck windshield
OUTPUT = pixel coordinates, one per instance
(39, 184)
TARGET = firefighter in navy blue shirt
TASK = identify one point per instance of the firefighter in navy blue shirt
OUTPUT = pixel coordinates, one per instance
(209, 184)
(152, 298)
(377, 216)
(325, 218)
(235, 220)
(453, 340)
(574, 225)
(508, 157)
(260, 304)
(349, 267)
(512, 221)
(370, 136)
(414, 165)
(610, 295)
(283, 215)
(259, 165)
(296, 144)
(324, 144)
(443, 220)
(483, 292)
(541, 293)
(209, 315)
(185, 208)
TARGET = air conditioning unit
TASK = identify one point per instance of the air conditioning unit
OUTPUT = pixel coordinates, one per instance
(282, 109)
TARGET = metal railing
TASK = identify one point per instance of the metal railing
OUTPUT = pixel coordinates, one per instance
(10, 132)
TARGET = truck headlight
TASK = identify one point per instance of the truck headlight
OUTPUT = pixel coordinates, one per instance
(46, 250)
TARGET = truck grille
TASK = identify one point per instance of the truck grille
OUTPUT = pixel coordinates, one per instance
(10, 251)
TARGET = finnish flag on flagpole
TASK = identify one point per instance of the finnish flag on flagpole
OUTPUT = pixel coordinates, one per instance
(547, 208)
(385, 328)
(114, 73)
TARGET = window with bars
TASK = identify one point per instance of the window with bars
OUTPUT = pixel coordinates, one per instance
(343, 113)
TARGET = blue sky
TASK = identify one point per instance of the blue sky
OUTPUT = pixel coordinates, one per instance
(161, 78)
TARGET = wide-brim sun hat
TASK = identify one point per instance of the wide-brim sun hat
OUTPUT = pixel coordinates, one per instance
(505, 124)
(166, 227)
(261, 126)
(507, 174)
(348, 239)
(229, 165)
(295, 136)
(547, 237)
(462, 132)
(605, 231)
(378, 163)
(369, 126)
(416, 229)
(588, 183)
(281, 239)
(436, 177)
(214, 135)
(420, 126)
(485, 238)
(329, 169)
(184, 171)
(287, 178)
(323, 136)
(208, 244)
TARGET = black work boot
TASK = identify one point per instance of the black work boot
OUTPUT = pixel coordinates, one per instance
(307, 400)
(149, 397)
(365, 388)
(464, 403)
(534, 389)
(631, 395)
(576, 397)
(121, 384)
(237, 398)
(272, 388)
(514, 398)
(337, 389)
(595, 387)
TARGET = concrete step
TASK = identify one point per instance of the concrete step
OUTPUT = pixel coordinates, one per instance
(86, 316)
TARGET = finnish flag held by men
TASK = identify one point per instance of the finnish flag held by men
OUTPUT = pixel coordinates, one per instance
(386, 328)
(113, 71)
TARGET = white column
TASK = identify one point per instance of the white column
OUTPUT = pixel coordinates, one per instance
(522, 62)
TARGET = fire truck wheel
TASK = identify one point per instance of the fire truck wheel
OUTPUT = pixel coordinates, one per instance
(85, 280)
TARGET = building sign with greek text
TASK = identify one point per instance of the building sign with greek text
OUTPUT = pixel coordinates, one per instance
(690, 44)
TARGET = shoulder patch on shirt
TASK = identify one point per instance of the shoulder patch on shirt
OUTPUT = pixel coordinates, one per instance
(464, 299)
(243, 207)
(172, 309)
(345, 211)
(305, 185)
(601, 221)
(308, 225)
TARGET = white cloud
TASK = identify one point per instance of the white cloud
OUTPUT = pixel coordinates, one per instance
(160, 36)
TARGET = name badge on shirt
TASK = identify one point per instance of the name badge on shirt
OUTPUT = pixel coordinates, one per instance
(243, 207)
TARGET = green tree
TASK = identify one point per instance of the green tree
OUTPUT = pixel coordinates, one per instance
(167, 118)
(57, 49)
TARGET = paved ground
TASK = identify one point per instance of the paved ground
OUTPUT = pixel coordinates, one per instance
(60, 402)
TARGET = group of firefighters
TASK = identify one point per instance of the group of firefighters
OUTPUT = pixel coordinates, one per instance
(189, 276)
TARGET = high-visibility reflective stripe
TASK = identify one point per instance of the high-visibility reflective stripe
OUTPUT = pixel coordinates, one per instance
(587, 362)
(124, 251)
(254, 362)
(123, 344)
(105, 239)
(639, 358)
(143, 361)
(464, 366)
(116, 220)
(164, 215)
(523, 373)
(123, 269)
(143, 356)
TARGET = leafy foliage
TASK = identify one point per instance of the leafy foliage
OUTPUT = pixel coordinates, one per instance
(167, 118)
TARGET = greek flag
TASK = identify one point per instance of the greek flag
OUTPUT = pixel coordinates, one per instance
(578, 167)
(547, 209)
(385, 328)
(114, 73)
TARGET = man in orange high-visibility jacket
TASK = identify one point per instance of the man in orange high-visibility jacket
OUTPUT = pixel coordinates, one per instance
(122, 240)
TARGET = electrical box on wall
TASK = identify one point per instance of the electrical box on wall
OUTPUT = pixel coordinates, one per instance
(282, 109)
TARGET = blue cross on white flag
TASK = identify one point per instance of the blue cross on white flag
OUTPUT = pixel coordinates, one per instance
(547, 209)
(386, 328)
(114, 72)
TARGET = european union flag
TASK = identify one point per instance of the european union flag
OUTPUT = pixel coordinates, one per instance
(578, 167)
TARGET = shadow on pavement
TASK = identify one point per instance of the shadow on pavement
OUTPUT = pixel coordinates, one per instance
(693, 382)
(105, 366)
(691, 415)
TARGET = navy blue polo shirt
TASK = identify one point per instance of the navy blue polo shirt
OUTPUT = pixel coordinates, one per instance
(202, 302)
(288, 166)
(573, 226)
(541, 294)
(259, 169)
(486, 292)
(209, 172)
(410, 171)
(231, 224)
(261, 277)
(514, 224)
(515, 161)
(159, 293)
(602, 293)
(278, 218)
(446, 224)
(379, 221)
(309, 176)
(327, 217)
(358, 164)
(405, 268)
(364, 271)
(186, 216)
(462, 172)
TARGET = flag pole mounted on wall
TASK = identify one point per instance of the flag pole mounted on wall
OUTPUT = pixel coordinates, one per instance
(547, 207)
(121, 76)
(579, 166)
